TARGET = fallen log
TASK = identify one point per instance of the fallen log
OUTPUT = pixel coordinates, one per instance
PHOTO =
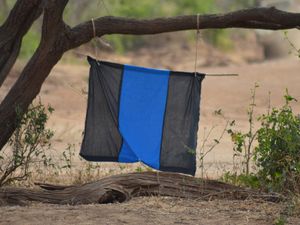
(123, 187)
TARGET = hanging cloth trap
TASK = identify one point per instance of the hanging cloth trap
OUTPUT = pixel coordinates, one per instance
(138, 114)
(142, 114)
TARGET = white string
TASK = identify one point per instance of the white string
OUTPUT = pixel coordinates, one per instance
(197, 40)
(196, 53)
(94, 35)
(94, 29)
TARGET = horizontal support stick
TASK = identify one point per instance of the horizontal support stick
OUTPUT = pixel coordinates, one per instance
(222, 74)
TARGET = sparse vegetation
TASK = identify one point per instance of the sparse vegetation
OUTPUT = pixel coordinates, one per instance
(293, 49)
(208, 144)
(275, 153)
(243, 142)
(28, 146)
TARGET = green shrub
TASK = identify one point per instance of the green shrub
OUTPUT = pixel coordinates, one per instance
(28, 145)
(277, 154)
(274, 148)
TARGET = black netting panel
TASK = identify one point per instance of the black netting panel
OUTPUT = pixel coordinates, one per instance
(101, 127)
(181, 123)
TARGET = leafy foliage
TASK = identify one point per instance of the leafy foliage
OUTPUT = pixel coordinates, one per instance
(29, 144)
(274, 148)
(278, 152)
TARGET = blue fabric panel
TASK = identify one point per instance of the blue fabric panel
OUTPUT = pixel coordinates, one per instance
(141, 114)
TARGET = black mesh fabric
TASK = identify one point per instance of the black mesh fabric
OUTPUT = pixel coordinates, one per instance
(102, 140)
(181, 123)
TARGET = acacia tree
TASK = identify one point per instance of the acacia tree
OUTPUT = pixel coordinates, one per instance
(57, 38)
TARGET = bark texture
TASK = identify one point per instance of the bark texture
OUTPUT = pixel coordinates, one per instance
(120, 188)
(20, 19)
(30, 81)
(58, 38)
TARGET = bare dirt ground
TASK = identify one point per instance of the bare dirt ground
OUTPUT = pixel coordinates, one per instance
(149, 210)
(231, 94)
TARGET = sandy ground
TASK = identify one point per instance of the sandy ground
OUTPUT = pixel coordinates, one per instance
(150, 210)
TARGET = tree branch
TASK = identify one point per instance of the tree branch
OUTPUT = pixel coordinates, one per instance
(53, 22)
(37, 69)
(20, 19)
(255, 18)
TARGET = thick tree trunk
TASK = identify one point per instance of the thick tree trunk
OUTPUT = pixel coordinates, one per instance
(20, 19)
(120, 188)
(58, 38)
(36, 71)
